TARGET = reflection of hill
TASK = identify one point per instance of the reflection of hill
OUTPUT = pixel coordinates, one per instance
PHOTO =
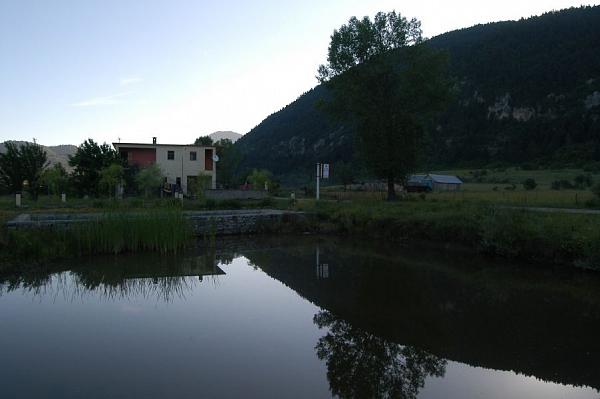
(501, 318)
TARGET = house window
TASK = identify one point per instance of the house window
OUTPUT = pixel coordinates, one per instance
(170, 155)
(192, 155)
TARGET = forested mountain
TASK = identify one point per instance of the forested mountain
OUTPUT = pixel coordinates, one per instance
(526, 91)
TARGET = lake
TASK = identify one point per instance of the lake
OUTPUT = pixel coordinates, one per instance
(300, 317)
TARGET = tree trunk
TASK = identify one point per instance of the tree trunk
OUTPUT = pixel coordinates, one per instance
(391, 192)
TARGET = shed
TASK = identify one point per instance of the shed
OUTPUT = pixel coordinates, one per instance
(433, 182)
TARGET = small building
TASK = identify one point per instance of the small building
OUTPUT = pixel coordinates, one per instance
(180, 164)
(431, 182)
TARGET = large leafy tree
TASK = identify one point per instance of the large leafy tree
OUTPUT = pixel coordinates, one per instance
(21, 163)
(149, 179)
(111, 177)
(229, 159)
(11, 173)
(89, 159)
(389, 84)
(56, 179)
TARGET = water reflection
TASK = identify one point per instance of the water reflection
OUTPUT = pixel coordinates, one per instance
(363, 365)
(131, 276)
(537, 322)
(383, 321)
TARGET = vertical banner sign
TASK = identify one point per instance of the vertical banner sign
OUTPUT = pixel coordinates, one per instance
(325, 171)
(318, 177)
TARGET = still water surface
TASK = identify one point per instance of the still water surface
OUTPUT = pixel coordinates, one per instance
(300, 318)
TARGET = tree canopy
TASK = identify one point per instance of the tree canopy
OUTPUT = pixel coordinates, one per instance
(21, 163)
(89, 159)
(204, 140)
(388, 85)
(149, 178)
(56, 179)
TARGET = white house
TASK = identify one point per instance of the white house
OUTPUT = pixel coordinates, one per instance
(180, 164)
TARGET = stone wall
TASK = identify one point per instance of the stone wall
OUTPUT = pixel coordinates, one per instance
(203, 222)
(235, 194)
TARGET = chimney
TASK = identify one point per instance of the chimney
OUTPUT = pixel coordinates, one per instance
(153, 140)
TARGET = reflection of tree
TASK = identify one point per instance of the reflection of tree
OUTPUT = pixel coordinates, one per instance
(125, 277)
(363, 365)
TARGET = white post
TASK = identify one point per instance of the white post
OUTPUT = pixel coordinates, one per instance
(63, 197)
(18, 200)
(318, 177)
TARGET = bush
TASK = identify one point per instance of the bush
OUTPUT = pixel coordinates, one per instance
(210, 204)
(529, 184)
(562, 184)
(231, 204)
(584, 181)
(592, 167)
(596, 190)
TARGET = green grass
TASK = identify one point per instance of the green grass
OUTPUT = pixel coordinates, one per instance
(498, 187)
(550, 238)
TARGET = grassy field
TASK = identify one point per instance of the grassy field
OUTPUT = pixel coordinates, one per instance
(499, 187)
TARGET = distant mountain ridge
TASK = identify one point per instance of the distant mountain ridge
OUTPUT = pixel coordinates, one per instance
(526, 90)
(220, 135)
(56, 154)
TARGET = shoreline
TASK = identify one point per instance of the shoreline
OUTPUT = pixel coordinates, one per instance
(550, 239)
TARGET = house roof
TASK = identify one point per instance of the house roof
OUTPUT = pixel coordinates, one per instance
(443, 179)
(417, 179)
(150, 145)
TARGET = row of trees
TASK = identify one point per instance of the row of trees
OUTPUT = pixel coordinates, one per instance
(97, 170)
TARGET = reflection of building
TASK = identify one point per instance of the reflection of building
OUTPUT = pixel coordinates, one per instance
(180, 164)
(323, 271)
(191, 268)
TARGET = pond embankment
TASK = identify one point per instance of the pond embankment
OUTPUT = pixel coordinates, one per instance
(548, 238)
(38, 237)
(232, 222)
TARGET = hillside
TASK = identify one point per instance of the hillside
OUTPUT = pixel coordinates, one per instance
(527, 91)
(233, 136)
(56, 154)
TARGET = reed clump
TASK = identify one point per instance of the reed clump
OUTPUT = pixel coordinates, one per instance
(160, 230)
(114, 232)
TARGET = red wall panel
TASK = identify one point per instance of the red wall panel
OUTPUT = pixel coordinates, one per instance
(140, 156)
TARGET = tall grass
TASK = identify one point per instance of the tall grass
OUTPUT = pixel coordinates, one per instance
(114, 232)
(162, 230)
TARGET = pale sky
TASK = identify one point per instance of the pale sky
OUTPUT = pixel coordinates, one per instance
(180, 69)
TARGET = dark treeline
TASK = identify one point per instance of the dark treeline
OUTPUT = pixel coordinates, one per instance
(526, 91)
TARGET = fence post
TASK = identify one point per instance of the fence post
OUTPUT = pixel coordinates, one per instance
(63, 197)
(18, 200)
